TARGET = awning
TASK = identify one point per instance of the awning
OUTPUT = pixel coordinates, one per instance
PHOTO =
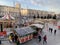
(8, 17)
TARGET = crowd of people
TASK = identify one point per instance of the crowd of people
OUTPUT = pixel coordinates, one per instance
(44, 38)
(51, 30)
(40, 38)
(13, 38)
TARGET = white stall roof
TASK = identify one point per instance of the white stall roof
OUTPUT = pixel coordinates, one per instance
(38, 25)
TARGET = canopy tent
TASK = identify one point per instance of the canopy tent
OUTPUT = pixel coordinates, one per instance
(8, 17)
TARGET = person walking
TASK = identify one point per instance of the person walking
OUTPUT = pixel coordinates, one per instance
(15, 37)
(10, 38)
(54, 32)
(51, 30)
(44, 39)
(39, 36)
(17, 42)
(0, 42)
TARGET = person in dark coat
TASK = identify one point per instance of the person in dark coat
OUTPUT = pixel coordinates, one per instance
(54, 32)
(39, 37)
(51, 30)
(15, 37)
(45, 39)
(17, 42)
(0, 42)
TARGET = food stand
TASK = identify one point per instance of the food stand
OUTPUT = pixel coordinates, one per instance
(25, 34)
(37, 28)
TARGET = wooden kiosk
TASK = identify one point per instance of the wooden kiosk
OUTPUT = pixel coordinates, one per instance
(25, 34)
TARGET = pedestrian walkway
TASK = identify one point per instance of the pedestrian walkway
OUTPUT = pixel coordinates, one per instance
(7, 43)
(51, 39)
(33, 42)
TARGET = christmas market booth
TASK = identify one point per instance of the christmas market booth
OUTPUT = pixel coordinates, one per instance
(25, 34)
(38, 28)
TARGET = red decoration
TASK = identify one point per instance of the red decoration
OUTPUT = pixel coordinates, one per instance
(58, 27)
(22, 40)
(3, 33)
(29, 37)
(26, 38)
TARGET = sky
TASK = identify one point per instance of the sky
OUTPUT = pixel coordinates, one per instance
(46, 5)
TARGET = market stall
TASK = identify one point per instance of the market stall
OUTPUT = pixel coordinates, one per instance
(25, 34)
(37, 28)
